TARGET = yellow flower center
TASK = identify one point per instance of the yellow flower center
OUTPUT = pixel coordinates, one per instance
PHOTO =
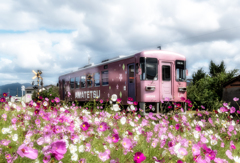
(101, 126)
(138, 157)
(83, 125)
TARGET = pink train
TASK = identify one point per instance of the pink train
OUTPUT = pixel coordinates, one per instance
(149, 77)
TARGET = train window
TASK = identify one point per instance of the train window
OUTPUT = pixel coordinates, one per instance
(131, 74)
(77, 82)
(181, 70)
(166, 75)
(149, 67)
(104, 78)
(97, 79)
(105, 66)
(89, 80)
(83, 81)
(72, 83)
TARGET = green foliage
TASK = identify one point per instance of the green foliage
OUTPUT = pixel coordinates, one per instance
(50, 94)
(207, 90)
(198, 75)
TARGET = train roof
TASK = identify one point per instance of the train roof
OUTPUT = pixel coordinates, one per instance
(106, 61)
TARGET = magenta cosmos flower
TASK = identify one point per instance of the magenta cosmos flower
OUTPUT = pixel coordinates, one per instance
(58, 149)
(102, 126)
(115, 138)
(57, 99)
(139, 157)
(25, 151)
(3, 99)
(4, 94)
(85, 126)
(177, 126)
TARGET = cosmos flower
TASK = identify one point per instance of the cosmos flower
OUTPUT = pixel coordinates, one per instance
(4, 94)
(2, 99)
(58, 149)
(139, 157)
(85, 126)
(115, 138)
(57, 99)
(25, 151)
(127, 143)
(103, 126)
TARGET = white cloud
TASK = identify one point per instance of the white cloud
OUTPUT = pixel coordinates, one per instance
(56, 36)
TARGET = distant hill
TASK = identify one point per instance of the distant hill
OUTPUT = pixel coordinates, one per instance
(13, 89)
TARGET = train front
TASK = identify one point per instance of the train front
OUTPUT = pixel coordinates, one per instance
(160, 81)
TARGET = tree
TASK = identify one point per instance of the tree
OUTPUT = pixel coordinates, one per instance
(198, 75)
(207, 89)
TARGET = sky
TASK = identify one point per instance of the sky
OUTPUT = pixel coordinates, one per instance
(56, 36)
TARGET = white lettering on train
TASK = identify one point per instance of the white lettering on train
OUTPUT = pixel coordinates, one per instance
(87, 94)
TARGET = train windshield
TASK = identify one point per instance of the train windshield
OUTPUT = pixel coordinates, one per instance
(180, 70)
(149, 68)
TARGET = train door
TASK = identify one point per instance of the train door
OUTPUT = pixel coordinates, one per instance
(166, 80)
(131, 81)
(63, 89)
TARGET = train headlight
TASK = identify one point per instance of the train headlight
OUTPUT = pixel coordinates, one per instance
(182, 89)
(150, 88)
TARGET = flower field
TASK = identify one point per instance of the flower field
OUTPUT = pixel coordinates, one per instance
(48, 131)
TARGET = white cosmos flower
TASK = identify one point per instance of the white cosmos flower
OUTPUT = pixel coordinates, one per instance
(72, 148)
(236, 159)
(114, 97)
(15, 137)
(23, 104)
(5, 130)
(34, 104)
(213, 142)
(116, 107)
(45, 103)
(14, 106)
(132, 123)
(123, 120)
(81, 148)
(9, 103)
(74, 157)
(136, 138)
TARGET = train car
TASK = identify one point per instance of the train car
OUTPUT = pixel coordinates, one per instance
(149, 77)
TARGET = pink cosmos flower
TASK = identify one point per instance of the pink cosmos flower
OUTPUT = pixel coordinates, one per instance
(229, 154)
(119, 100)
(85, 126)
(5, 142)
(232, 109)
(104, 156)
(222, 145)
(57, 99)
(177, 126)
(183, 151)
(114, 161)
(102, 127)
(25, 151)
(179, 161)
(139, 157)
(130, 99)
(82, 160)
(196, 149)
(46, 158)
(232, 146)
(101, 101)
(115, 138)
(126, 143)
(198, 128)
(235, 99)
(58, 149)
(8, 156)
